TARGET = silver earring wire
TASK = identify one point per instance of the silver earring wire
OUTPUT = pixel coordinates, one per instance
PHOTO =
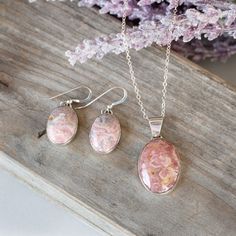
(70, 101)
(109, 107)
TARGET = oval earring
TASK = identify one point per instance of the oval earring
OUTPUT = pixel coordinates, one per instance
(63, 121)
(105, 132)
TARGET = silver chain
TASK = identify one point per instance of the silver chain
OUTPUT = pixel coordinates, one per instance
(131, 70)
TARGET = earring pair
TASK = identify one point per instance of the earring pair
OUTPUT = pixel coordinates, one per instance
(105, 132)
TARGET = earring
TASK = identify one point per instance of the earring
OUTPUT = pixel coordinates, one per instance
(105, 132)
(62, 123)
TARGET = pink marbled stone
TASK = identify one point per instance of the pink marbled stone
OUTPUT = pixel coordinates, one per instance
(62, 125)
(159, 166)
(105, 133)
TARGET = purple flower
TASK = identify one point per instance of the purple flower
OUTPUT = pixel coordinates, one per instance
(201, 26)
(198, 23)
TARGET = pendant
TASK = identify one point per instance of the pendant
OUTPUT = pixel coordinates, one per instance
(159, 164)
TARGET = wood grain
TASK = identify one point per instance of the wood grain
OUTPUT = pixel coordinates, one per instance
(105, 190)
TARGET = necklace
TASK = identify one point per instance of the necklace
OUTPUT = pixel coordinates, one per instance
(158, 164)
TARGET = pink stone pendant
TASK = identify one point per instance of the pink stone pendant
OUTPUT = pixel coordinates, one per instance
(159, 166)
(105, 133)
(159, 163)
(62, 125)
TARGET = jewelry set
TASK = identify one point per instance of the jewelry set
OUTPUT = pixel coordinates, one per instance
(159, 163)
(105, 132)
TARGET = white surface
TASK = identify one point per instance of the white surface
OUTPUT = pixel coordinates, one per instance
(24, 212)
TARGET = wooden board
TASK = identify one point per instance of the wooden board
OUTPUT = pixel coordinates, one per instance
(105, 190)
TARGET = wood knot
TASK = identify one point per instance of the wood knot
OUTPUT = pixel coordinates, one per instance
(41, 133)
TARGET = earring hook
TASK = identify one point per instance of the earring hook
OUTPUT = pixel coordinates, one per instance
(70, 101)
(109, 107)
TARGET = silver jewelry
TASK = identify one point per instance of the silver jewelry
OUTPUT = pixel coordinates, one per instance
(105, 132)
(159, 164)
(63, 121)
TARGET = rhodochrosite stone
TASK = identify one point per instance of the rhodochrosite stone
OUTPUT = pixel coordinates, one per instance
(105, 133)
(159, 166)
(62, 125)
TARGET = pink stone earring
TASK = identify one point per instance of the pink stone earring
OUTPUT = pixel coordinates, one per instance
(62, 123)
(105, 132)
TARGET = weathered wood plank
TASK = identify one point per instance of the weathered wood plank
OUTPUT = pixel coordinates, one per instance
(200, 121)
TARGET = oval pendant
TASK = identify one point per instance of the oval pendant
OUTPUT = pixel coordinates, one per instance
(159, 166)
(62, 125)
(105, 133)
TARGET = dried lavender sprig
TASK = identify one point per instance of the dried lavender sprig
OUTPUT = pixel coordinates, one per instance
(221, 4)
(211, 23)
(143, 10)
(220, 49)
(116, 7)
